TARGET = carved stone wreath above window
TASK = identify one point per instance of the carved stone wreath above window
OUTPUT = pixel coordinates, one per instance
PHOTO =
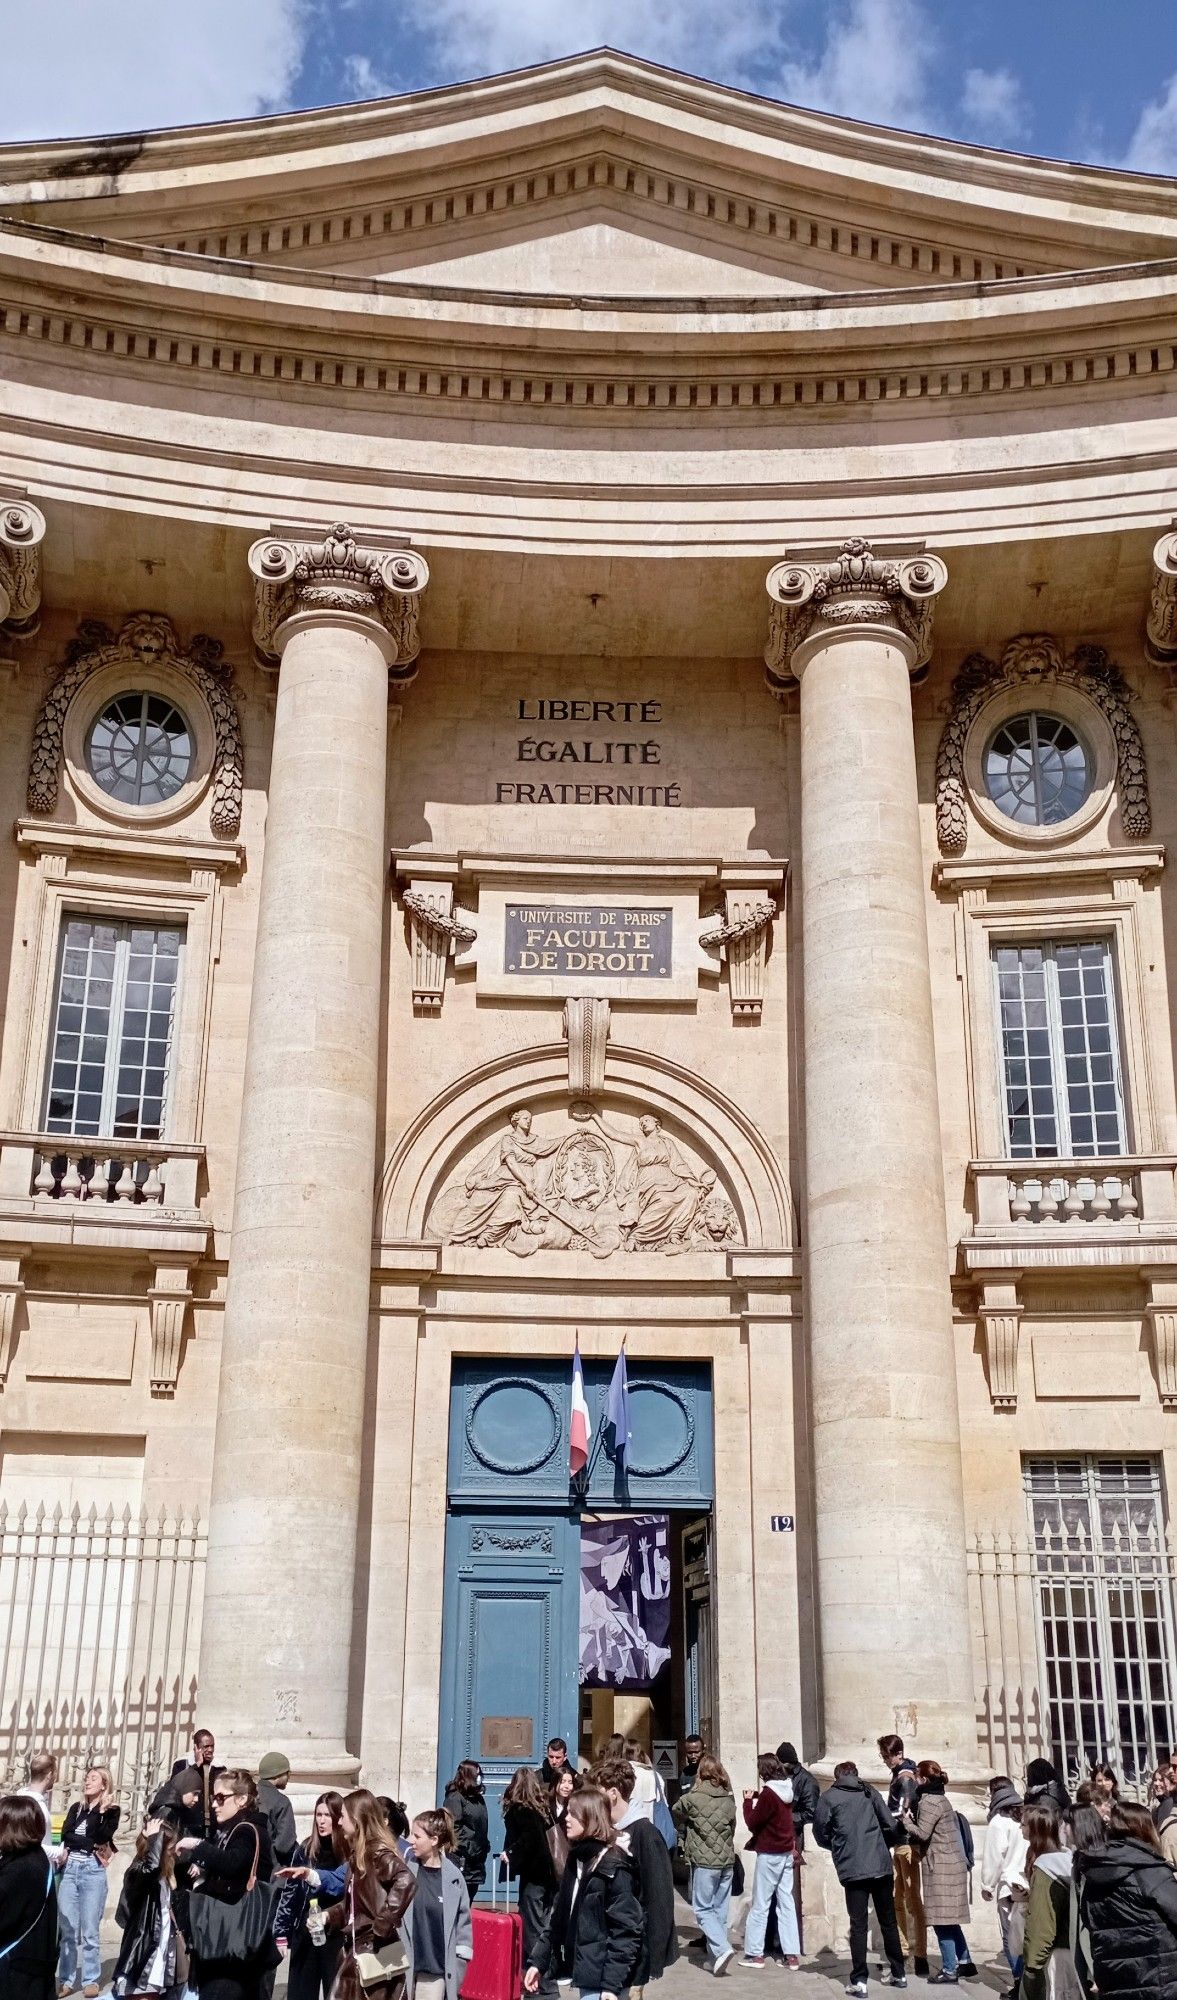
(1032, 662)
(145, 643)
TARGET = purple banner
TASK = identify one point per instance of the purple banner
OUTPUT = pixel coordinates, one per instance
(624, 1600)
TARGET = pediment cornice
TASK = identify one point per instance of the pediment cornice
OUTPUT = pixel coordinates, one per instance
(608, 120)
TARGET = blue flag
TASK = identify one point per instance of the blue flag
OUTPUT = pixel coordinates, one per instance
(618, 1434)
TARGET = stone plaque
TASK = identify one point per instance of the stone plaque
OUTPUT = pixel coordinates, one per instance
(507, 1736)
(587, 940)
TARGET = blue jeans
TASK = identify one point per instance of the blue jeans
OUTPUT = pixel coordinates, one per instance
(774, 1878)
(711, 1900)
(81, 1899)
(953, 1949)
(623, 1995)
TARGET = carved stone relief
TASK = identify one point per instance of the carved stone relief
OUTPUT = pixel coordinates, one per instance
(613, 1184)
(144, 639)
(1035, 659)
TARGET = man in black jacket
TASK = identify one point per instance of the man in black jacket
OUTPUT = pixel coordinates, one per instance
(854, 1824)
(906, 1882)
(556, 1762)
(653, 1874)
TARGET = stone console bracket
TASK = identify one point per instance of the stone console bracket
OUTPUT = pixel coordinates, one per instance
(456, 908)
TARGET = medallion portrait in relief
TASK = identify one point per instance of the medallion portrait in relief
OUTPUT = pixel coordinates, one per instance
(595, 1182)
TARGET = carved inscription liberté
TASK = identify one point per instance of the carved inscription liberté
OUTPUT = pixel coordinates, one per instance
(626, 748)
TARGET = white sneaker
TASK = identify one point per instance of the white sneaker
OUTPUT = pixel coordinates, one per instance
(723, 1961)
(857, 1987)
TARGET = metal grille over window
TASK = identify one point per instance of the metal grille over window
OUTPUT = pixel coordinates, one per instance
(111, 1053)
(1060, 1057)
(140, 750)
(1103, 1575)
(1037, 771)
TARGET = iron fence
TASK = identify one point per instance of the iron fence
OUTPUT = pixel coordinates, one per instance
(1073, 1631)
(99, 1625)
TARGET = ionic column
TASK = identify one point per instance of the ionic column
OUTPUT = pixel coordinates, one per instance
(277, 1624)
(894, 1629)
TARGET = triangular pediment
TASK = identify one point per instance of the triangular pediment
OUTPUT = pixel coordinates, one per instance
(605, 256)
(601, 174)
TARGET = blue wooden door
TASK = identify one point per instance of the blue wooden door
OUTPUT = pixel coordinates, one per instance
(510, 1644)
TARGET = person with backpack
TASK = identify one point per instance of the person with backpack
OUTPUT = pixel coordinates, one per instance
(706, 1820)
(768, 1816)
(858, 1830)
(944, 1871)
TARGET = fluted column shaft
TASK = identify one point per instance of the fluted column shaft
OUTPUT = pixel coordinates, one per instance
(892, 1588)
(276, 1634)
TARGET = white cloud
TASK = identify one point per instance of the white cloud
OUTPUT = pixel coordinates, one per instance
(1152, 148)
(362, 79)
(97, 66)
(731, 43)
(875, 65)
(994, 105)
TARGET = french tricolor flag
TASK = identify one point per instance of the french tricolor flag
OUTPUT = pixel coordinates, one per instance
(578, 1428)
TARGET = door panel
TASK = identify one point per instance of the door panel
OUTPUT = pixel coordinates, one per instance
(510, 1634)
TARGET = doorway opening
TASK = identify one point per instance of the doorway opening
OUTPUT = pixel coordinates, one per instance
(647, 1669)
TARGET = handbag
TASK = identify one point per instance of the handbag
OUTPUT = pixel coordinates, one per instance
(737, 1876)
(234, 1930)
(387, 1961)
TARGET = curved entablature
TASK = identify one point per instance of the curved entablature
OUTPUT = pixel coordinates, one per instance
(596, 1179)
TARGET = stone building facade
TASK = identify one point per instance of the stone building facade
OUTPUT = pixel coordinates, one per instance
(588, 747)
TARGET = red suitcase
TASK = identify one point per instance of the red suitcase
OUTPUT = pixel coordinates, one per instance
(496, 1969)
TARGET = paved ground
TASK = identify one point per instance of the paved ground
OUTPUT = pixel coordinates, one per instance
(818, 1978)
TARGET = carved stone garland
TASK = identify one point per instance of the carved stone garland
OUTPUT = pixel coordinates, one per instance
(1035, 659)
(743, 938)
(146, 639)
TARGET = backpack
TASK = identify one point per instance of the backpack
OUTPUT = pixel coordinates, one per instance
(966, 1840)
(662, 1817)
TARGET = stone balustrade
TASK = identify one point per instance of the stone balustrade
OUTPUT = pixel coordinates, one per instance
(135, 1173)
(1119, 1193)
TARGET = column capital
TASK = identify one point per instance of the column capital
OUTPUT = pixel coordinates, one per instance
(851, 587)
(1160, 627)
(22, 530)
(337, 574)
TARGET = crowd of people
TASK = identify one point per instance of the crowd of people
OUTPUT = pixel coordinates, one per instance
(220, 1890)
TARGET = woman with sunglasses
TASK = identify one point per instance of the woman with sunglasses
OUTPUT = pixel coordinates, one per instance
(223, 1868)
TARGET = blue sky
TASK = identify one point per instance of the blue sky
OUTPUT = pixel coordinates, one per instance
(1093, 80)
